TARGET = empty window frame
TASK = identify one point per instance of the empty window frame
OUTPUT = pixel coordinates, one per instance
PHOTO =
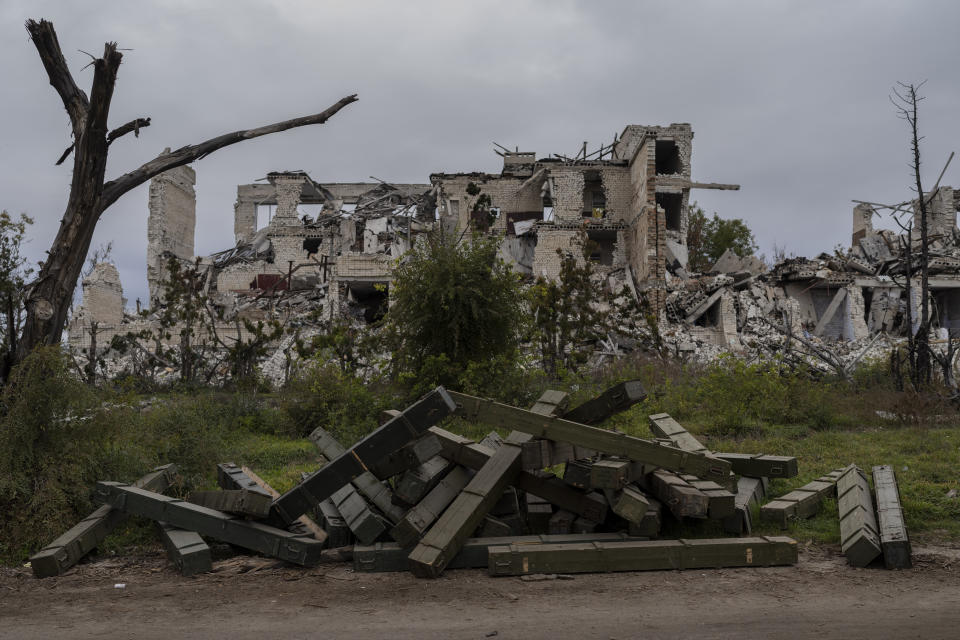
(672, 205)
(668, 158)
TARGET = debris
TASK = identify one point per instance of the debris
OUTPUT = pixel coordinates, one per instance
(391, 436)
(801, 503)
(481, 508)
(186, 550)
(859, 538)
(184, 515)
(240, 501)
(68, 549)
(518, 560)
(893, 530)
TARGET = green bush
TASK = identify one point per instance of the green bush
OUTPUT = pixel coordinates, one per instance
(454, 304)
(343, 404)
(55, 442)
(59, 436)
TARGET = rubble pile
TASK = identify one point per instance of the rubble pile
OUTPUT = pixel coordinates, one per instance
(413, 496)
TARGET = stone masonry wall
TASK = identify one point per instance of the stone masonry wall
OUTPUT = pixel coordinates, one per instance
(172, 221)
(504, 192)
(567, 194)
(546, 260)
(618, 190)
(103, 295)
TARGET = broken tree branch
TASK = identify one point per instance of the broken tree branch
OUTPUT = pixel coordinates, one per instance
(74, 99)
(133, 125)
(113, 189)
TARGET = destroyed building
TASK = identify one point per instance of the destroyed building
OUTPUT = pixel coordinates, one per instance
(306, 252)
(630, 198)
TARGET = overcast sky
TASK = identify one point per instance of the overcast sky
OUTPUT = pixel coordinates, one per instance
(787, 99)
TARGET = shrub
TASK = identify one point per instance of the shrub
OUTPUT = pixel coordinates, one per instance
(454, 304)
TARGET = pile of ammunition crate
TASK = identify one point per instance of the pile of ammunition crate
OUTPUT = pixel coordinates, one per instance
(412, 496)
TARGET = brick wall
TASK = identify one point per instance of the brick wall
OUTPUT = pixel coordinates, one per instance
(171, 222)
(567, 184)
(504, 192)
(618, 190)
(546, 260)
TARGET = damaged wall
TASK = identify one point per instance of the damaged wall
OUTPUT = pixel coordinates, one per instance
(171, 224)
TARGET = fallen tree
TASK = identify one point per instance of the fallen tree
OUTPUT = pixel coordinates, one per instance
(47, 298)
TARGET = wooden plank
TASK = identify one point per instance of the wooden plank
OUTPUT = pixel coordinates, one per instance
(829, 312)
(460, 450)
(222, 526)
(800, 503)
(231, 476)
(186, 550)
(539, 454)
(363, 522)
(82, 538)
(321, 484)
(609, 474)
(416, 483)
(893, 530)
(649, 555)
(577, 473)
(337, 532)
(663, 426)
(245, 502)
(539, 512)
(551, 403)
(418, 519)
(610, 442)
(761, 466)
(630, 504)
(588, 504)
(617, 398)
(443, 541)
(750, 491)
(649, 527)
(366, 483)
(859, 537)
(721, 503)
(390, 556)
(304, 520)
(407, 457)
(469, 454)
(683, 500)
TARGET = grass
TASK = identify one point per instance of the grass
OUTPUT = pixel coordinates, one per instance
(926, 460)
(57, 437)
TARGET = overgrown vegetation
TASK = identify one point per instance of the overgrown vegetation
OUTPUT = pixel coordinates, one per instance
(14, 272)
(456, 312)
(709, 237)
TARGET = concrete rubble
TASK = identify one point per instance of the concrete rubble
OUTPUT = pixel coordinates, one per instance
(308, 253)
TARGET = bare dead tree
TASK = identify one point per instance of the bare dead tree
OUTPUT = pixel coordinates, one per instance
(907, 100)
(49, 295)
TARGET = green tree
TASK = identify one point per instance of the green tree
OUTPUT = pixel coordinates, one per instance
(454, 303)
(570, 313)
(708, 239)
(13, 275)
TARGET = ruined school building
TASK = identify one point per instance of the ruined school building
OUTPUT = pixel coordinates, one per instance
(631, 200)
(306, 251)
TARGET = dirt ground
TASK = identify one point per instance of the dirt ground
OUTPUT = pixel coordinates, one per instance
(259, 598)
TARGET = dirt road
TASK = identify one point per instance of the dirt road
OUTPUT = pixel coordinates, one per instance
(257, 598)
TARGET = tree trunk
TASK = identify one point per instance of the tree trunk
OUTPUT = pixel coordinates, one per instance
(48, 297)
